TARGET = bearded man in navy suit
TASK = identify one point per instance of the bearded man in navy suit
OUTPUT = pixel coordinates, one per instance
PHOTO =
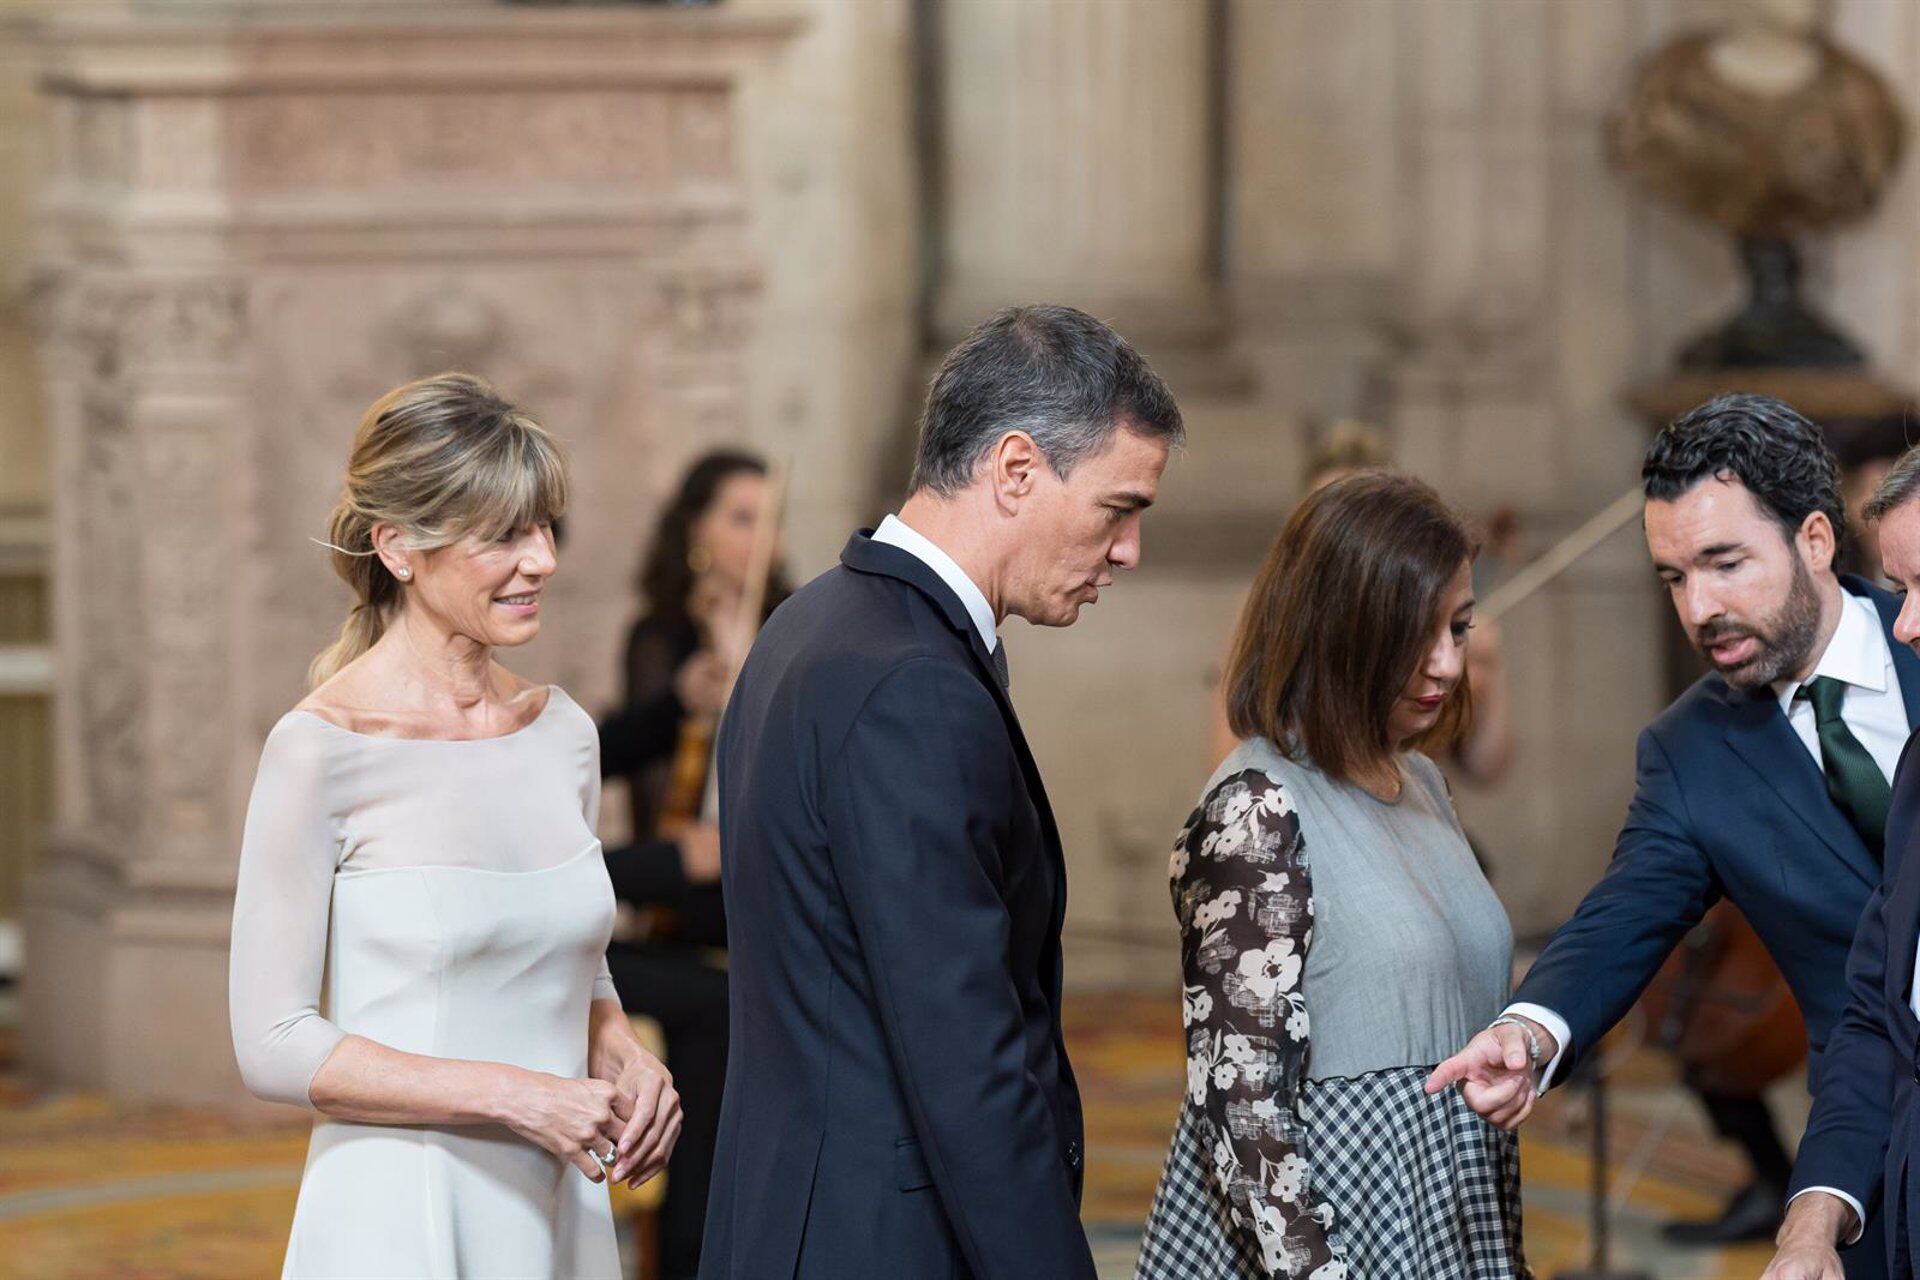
(1767, 782)
(899, 1101)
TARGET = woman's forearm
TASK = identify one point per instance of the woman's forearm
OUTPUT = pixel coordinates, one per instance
(611, 1044)
(368, 1082)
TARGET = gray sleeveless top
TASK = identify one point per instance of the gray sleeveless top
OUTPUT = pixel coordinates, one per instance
(1412, 952)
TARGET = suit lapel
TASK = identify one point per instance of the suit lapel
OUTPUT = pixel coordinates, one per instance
(1028, 766)
(1759, 734)
(862, 553)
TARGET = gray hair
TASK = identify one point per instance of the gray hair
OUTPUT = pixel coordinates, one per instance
(1899, 486)
(1059, 375)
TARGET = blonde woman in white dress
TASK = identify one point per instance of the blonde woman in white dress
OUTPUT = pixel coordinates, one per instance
(422, 912)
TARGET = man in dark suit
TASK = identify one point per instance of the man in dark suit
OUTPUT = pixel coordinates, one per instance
(1858, 1152)
(1767, 782)
(899, 1101)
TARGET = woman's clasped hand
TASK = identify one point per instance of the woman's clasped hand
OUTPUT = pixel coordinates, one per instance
(634, 1118)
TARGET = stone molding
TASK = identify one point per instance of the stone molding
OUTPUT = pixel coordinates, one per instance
(208, 49)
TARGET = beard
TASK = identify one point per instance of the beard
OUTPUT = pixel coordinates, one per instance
(1783, 641)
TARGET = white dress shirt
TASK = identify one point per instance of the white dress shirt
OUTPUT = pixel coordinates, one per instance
(1858, 656)
(896, 532)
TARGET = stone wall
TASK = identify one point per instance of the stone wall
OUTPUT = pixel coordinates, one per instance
(827, 149)
(1443, 177)
(252, 226)
(1420, 228)
(1392, 208)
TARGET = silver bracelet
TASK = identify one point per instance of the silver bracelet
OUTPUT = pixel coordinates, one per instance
(1535, 1056)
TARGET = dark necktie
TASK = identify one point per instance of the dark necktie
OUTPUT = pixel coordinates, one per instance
(999, 656)
(1854, 780)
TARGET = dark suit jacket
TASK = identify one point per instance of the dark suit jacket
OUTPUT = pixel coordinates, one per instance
(1727, 801)
(899, 1101)
(1861, 1136)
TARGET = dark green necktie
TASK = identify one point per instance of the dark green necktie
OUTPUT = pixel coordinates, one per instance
(1853, 779)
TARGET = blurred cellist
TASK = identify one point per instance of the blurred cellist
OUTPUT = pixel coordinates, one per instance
(709, 578)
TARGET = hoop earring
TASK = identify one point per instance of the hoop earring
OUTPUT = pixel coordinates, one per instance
(699, 559)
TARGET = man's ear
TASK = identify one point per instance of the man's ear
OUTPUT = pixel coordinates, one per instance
(1015, 461)
(1817, 541)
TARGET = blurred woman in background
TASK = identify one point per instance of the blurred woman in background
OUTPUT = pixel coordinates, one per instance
(681, 656)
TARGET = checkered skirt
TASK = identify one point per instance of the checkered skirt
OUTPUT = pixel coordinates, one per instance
(1421, 1189)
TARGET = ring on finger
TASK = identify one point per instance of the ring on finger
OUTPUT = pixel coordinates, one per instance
(606, 1161)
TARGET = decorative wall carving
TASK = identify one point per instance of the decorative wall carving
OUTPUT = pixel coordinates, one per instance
(485, 142)
(449, 328)
(111, 320)
(259, 224)
(108, 679)
(148, 663)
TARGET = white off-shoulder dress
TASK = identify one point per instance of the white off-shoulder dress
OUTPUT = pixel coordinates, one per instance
(445, 898)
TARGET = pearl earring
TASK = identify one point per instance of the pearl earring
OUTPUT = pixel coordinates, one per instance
(403, 573)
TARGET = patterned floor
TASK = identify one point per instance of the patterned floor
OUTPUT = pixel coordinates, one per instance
(93, 1191)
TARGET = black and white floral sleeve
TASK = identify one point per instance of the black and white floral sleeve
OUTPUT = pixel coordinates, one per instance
(1243, 895)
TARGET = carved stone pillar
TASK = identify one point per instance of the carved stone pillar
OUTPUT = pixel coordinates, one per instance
(1520, 307)
(254, 224)
(1076, 160)
(1076, 164)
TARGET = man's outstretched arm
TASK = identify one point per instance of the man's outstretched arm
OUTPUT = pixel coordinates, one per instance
(1657, 887)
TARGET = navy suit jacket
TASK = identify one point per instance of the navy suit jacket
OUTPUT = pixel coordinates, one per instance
(898, 1097)
(1861, 1136)
(1727, 802)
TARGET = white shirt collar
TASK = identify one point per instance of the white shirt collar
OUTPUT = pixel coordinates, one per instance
(896, 532)
(1857, 654)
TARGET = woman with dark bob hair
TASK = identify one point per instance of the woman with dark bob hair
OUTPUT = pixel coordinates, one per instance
(1336, 935)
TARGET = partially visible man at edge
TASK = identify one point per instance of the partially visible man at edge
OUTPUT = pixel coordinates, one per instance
(1767, 782)
(899, 1101)
(1858, 1150)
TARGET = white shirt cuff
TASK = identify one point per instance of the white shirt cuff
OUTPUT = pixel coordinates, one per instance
(1859, 1214)
(1556, 1027)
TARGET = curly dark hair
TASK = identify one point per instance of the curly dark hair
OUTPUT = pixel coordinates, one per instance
(665, 578)
(1781, 457)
